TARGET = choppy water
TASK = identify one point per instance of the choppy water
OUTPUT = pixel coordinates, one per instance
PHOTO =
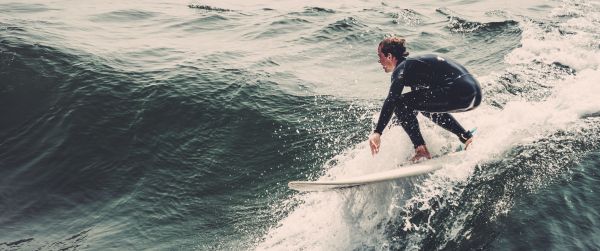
(171, 125)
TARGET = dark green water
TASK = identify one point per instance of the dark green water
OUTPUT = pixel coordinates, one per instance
(163, 126)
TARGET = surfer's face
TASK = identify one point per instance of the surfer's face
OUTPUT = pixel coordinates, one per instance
(387, 62)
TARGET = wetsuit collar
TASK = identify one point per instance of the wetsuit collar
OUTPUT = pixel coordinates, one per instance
(398, 70)
(400, 60)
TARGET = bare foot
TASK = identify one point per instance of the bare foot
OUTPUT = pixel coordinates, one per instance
(420, 152)
(468, 142)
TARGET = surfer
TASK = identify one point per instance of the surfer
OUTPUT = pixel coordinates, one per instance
(438, 85)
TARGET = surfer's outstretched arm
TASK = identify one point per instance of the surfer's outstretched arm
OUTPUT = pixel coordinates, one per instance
(389, 105)
(386, 114)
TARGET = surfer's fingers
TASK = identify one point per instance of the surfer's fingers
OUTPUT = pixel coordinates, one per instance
(374, 148)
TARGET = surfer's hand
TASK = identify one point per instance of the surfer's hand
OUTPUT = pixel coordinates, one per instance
(421, 152)
(374, 142)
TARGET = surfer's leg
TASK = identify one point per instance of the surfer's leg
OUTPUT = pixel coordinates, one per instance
(459, 95)
(435, 103)
(407, 118)
(437, 100)
(448, 122)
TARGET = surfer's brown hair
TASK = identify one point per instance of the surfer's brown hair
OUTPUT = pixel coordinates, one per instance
(394, 45)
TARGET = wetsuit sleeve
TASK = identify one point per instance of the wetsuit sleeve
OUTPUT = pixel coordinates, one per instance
(390, 104)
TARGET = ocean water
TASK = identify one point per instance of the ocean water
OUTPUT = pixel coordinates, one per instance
(162, 125)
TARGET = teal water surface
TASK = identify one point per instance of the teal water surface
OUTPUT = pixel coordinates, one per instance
(175, 126)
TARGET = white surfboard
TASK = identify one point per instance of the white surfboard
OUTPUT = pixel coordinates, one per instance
(402, 172)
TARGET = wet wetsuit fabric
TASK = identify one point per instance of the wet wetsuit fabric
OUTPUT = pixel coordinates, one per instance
(438, 86)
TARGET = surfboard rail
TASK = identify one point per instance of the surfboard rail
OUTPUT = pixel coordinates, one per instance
(321, 185)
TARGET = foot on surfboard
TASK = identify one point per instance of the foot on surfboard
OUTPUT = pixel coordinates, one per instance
(466, 139)
(420, 153)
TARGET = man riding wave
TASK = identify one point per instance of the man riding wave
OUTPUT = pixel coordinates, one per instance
(439, 86)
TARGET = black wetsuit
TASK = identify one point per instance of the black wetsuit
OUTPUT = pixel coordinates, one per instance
(438, 86)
